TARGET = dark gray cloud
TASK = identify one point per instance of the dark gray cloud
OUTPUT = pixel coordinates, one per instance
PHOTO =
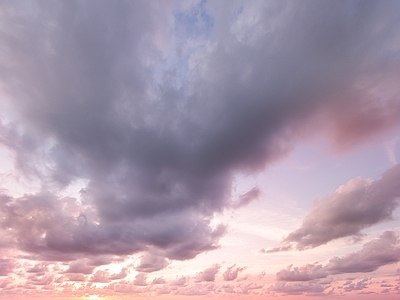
(351, 208)
(379, 252)
(91, 95)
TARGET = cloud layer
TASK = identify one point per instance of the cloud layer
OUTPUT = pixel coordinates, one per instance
(156, 106)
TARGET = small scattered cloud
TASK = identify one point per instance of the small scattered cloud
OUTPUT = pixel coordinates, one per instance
(180, 281)
(208, 274)
(232, 273)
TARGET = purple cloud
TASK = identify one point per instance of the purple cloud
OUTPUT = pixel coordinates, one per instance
(379, 252)
(298, 288)
(140, 279)
(207, 274)
(151, 262)
(232, 273)
(351, 208)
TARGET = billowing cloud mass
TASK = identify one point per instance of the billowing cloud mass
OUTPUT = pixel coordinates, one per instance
(352, 207)
(127, 122)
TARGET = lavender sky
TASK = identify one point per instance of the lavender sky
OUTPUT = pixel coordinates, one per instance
(199, 149)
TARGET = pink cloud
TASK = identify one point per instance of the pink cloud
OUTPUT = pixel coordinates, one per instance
(351, 208)
(379, 252)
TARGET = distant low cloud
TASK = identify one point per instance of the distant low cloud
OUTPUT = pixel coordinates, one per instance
(299, 288)
(207, 274)
(140, 279)
(106, 277)
(351, 208)
(379, 252)
(232, 273)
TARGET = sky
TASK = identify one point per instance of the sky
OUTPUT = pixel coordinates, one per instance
(199, 149)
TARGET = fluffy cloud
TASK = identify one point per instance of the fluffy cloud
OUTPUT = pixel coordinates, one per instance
(105, 276)
(232, 273)
(151, 262)
(158, 128)
(379, 252)
(304, 273)
(208, 274)
(140, 279)
(357, 205)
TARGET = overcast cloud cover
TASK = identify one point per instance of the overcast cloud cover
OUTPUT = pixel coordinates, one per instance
(152, 108)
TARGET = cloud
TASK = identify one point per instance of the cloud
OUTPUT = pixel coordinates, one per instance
(351, 208)
(181, 281)
(357, 286)
(105, 276)
(140, 279)
(150, 262)
(45, 226)
(79, 267)
(374, 254)
(298, 288)
(6, 266)
(304, 273)
(159, 280)
(378, 252)
(247, 197)
(208, 274)
(158, 128)
(231, 273)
